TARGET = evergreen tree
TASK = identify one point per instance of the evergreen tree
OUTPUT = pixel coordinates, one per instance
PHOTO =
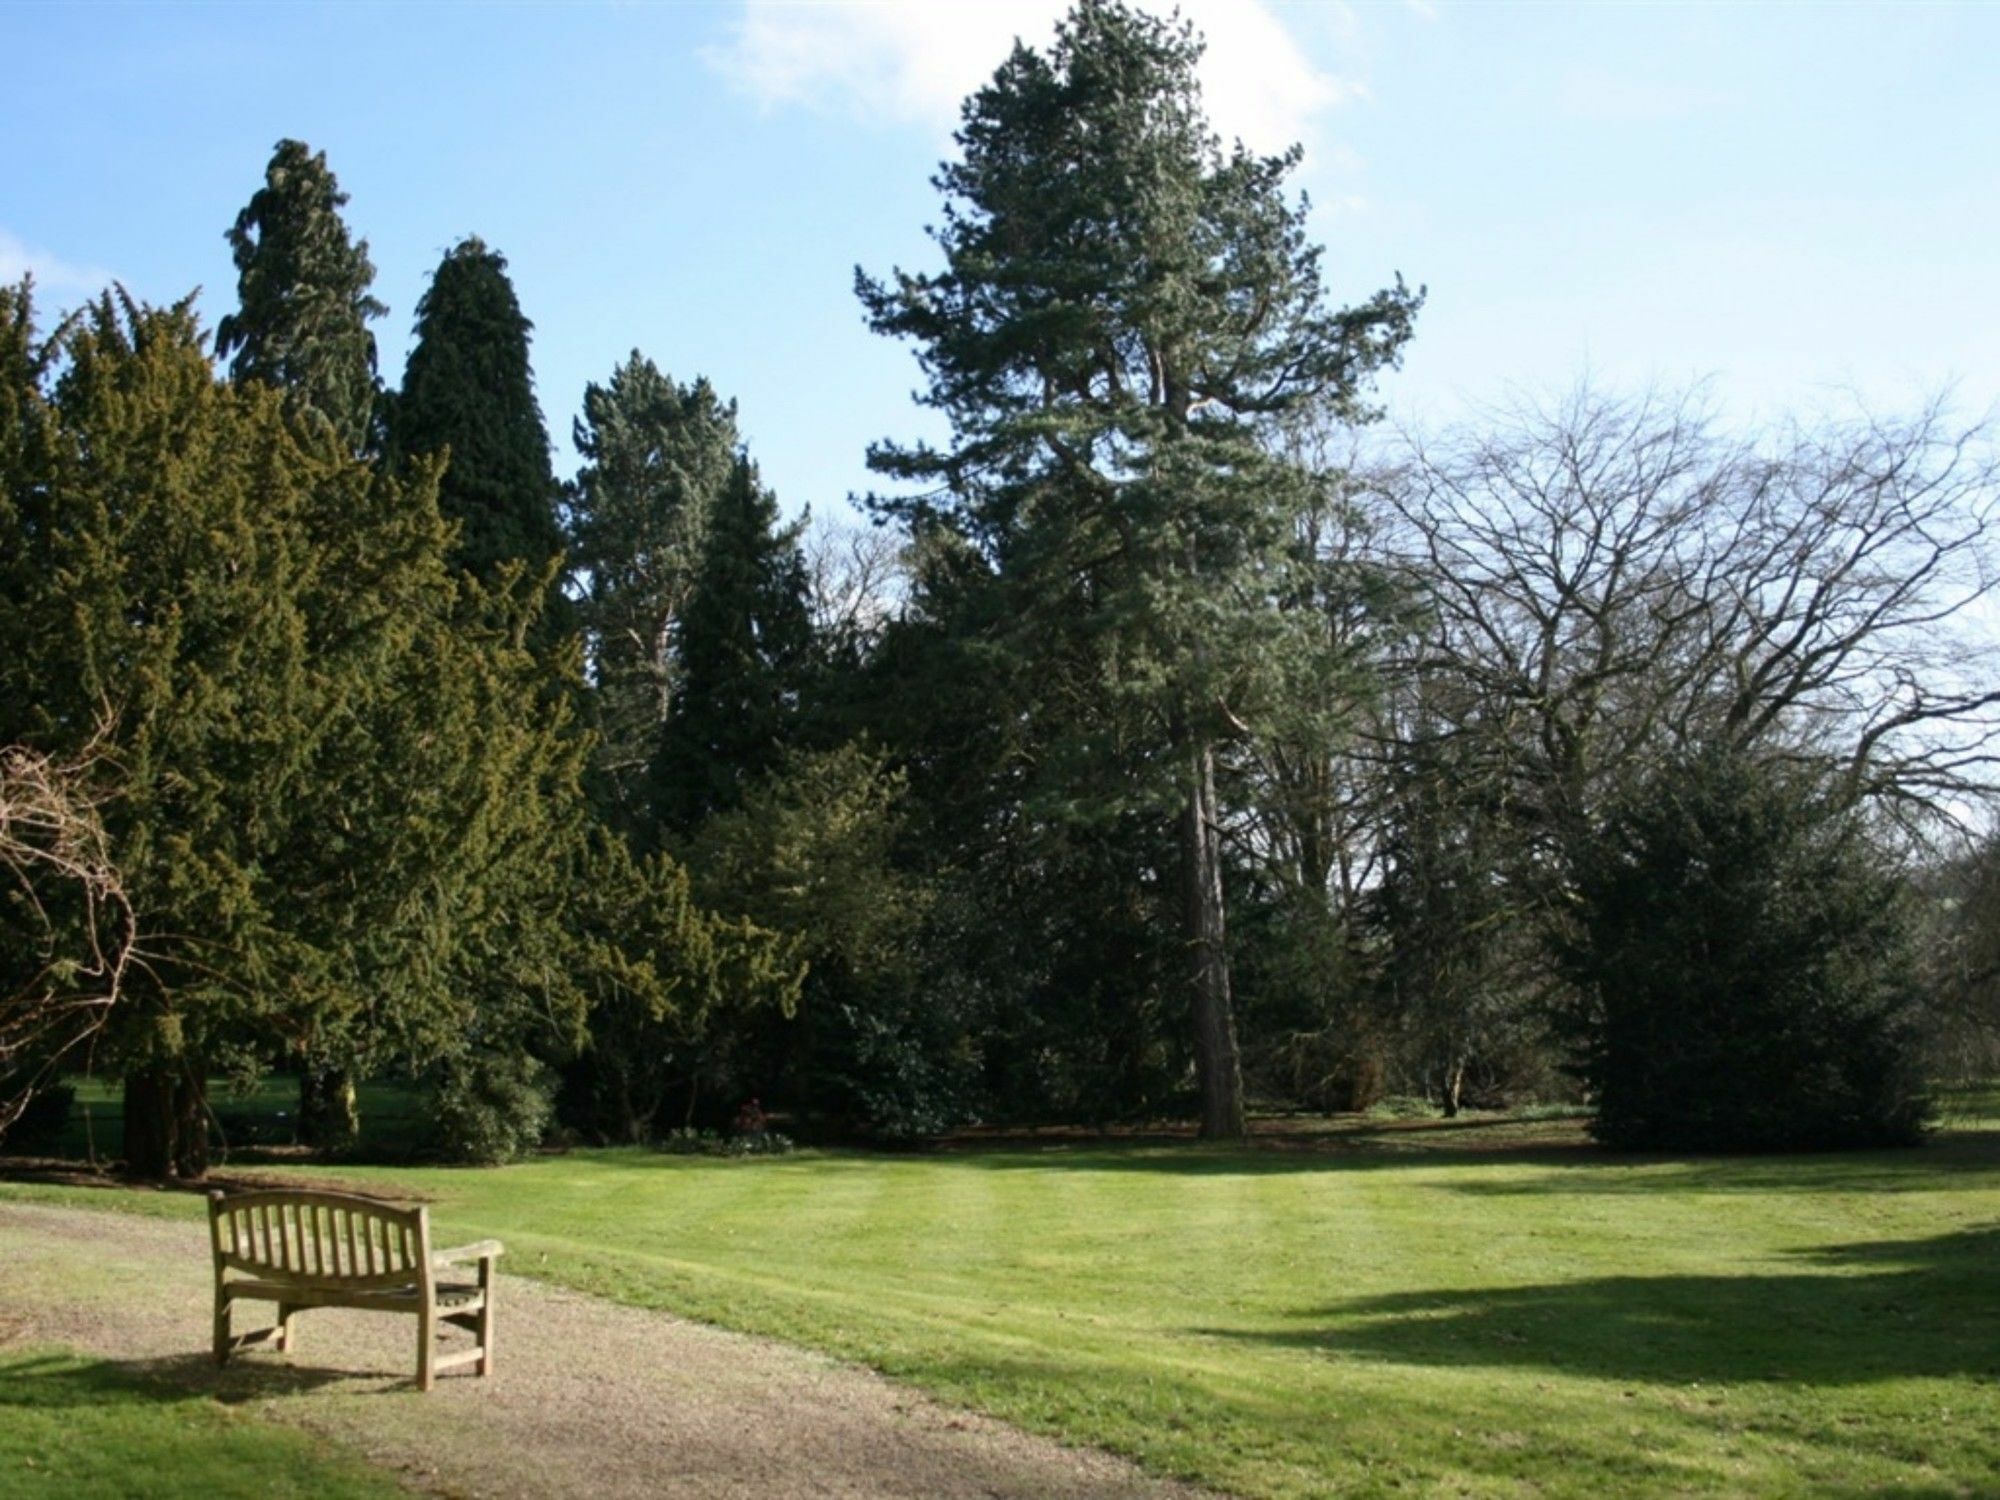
(666, 980)
(656, 456)
(1124, 311)
(745, 646)
(876, 1043)
(346, 792)
(155, 577)
(1745, 962)
(302, 326)
(303, 306)
(468, 391)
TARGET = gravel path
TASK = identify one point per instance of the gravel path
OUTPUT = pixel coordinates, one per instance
(588, 1397)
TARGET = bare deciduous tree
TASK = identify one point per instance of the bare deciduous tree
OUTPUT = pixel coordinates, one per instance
(67, 903)
(855, 575)
(1613, 578)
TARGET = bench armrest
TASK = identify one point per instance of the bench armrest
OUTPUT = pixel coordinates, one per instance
(483, 1250)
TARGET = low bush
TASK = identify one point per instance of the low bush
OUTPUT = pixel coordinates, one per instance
(687, 1142)
(492, 1107)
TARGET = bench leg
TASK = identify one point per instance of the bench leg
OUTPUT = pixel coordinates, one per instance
(222, 1340)
(286, 1312)
(486, 1286)
(426, 1345)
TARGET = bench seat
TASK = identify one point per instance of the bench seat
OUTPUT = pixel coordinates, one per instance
(457, 1299)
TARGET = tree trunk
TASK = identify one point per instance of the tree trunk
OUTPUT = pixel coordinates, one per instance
(190, 1127)
(1219, 1067)
(329, 1118)
(1454, 1087)
(149, 1123)
(166, 1124)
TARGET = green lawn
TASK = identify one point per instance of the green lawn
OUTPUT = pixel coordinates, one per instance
(250, 1119)
(71, 1428)
(1480, 1310)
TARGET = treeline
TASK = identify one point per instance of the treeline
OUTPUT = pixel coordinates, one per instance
(1162, 747)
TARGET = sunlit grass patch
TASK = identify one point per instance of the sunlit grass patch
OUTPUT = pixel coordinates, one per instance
(77, 1428)
(1483, 1307)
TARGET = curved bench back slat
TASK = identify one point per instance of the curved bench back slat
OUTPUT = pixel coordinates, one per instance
(327, 1241)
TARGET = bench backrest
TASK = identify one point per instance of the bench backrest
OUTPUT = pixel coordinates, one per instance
(322, 1240)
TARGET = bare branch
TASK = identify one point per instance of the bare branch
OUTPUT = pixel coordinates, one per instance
(55, 863)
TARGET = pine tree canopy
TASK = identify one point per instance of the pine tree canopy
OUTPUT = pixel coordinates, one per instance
(303, 306)
(656, 455)
(1124, 313)
(469, 392)
(745, 649)
(1124, 310)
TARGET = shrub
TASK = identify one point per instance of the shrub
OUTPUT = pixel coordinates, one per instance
(492, 1107)
(690, 1142)
(1743, 954)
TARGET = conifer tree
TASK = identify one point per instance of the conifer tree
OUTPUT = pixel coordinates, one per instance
(345, 793)
(302, 326)
(469, 391)
(303, 306)
(656, 456)
(1124, 310)
(745, 645)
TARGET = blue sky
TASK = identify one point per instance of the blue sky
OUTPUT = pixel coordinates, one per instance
(1798, 201)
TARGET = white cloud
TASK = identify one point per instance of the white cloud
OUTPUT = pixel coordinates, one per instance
(51, 273)
(914, 61)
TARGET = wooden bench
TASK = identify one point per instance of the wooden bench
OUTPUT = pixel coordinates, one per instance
(311, 1249)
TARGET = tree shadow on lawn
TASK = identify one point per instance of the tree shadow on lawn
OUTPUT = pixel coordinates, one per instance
(1575, 1166)
(1928, 1310)
(1942, 1164)
(46, 1379)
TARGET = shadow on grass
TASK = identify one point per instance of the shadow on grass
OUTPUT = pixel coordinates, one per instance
(1573, 1166)
(47, 1380)
(1878, 1311)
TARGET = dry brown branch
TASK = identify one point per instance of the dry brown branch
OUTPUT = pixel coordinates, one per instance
(1609, 579)
(72, 922)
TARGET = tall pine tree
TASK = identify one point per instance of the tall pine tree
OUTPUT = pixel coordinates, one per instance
(469, 390)
(657, 455)
(745, 651)
(303, 307)
(1124, 310)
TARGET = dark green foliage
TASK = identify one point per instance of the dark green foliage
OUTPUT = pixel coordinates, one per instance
(158, 578)
(492, 1107)
(812, 854)
(1453, 976)
(1743, 950)
(1312, 1035)
(670, 985)
(468, 391)
(745, 651)
(1053, 937)
(1962, 963)
(1125, 310)
(303, 306)
(329, 1117)
(657, 455)
(1089, 1022)
(344, 783)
